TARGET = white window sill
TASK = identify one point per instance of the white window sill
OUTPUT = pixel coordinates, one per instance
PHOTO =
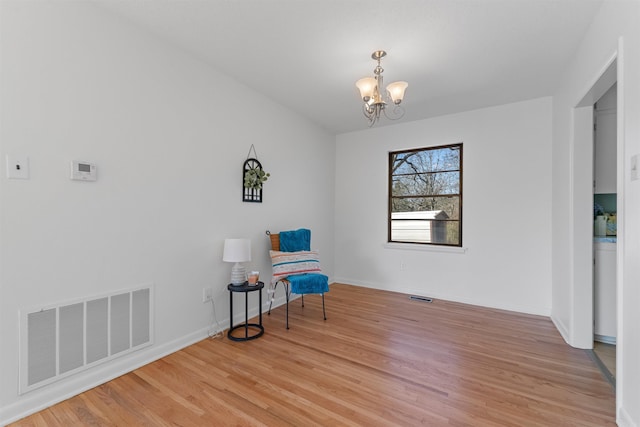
(426, 248)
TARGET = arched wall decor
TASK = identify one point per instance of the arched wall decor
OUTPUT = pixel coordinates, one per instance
(253, 178)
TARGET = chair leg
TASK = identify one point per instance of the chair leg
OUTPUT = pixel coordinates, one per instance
(286, 295)
(324, 313)
(275, 287)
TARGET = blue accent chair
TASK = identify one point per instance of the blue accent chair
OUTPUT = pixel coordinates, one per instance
(310, 283)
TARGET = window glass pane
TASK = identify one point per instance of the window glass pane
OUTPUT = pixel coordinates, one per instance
(431, 160)
(421, 208)
(425, 195)
(426, 184)
(425, 231)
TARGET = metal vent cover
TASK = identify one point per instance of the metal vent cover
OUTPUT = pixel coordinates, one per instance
(419, 298)
(59, 340)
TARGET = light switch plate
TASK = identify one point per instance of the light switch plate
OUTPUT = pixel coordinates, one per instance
(634, 167)
(17, 167)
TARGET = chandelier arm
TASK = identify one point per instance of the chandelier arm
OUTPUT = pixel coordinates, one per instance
(371, 113)
(367, 107)
(366, 110)
(396, 113)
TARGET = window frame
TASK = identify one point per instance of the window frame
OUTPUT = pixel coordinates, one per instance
(390, 196)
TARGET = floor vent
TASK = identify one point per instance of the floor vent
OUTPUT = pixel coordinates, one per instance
(57, 341)
(419, 298)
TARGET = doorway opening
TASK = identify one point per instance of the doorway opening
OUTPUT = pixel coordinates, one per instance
(605, 231)
(596, 160)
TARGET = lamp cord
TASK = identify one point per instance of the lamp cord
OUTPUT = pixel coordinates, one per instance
(211, 333)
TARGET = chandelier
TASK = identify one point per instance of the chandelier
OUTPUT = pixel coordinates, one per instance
(375, 102)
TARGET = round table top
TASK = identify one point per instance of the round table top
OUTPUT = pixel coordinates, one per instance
(245, 287)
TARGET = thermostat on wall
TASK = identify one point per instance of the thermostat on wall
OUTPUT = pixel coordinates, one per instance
(83, 171)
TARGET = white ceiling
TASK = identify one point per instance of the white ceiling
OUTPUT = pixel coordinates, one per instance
(457, 55)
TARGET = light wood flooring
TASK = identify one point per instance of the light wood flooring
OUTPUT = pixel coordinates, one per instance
(379, 360)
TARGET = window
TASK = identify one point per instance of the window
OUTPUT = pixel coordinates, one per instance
(425, 195)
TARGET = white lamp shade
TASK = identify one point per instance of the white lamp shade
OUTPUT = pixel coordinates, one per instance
(367, 86)
(396, 91)
(237, 250)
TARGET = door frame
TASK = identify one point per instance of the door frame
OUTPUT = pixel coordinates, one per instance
(581, 221)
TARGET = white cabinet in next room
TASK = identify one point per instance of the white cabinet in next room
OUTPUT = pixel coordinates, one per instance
(604, 298)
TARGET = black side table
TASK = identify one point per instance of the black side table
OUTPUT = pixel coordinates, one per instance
(246, 288)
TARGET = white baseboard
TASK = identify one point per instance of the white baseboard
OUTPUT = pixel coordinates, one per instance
(448, 297)
(605, 339)
(561, 327)
(624, 419)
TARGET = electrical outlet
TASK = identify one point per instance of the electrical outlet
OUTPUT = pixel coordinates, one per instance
(403, 266)
(207, 294)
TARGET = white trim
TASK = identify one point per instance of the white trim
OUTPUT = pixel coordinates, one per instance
(425, 248)
(589, 89)
(408, 290)
(624, 418)
(604, 339)
(567, 332)
(562, 328)
(581, 229)
(580, 321)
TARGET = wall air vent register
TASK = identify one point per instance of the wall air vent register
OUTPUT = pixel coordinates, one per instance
(59, 340)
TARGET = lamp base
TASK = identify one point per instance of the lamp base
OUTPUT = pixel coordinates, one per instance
(238, 274)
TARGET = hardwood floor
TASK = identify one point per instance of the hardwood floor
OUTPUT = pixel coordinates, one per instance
(379, 360)
(607, 354)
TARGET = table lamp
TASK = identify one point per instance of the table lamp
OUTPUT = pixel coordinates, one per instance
(237, 250)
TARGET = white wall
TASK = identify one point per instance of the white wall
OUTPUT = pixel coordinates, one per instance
(615, 31)
(169, 135)
(506, 209)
